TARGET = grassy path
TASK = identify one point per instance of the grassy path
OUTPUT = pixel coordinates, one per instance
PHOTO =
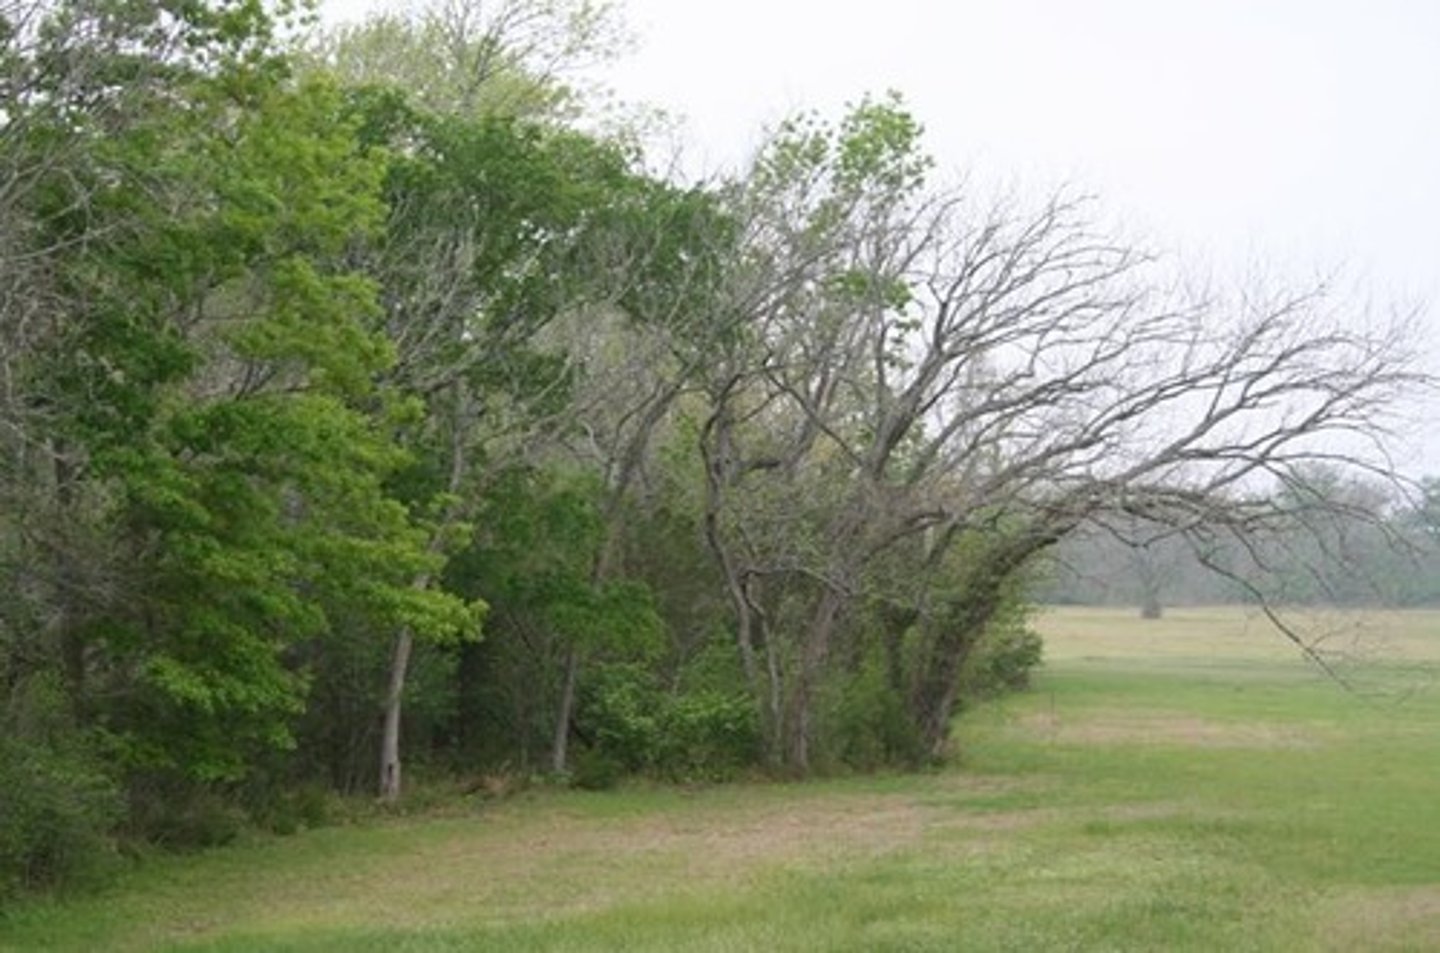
(1181, 785)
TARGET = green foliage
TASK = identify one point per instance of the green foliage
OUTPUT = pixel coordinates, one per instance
(701, 734)
(213, 381)
(1007, 654)
(176, 812)
(535, 554)
(864, 723)
(251, 511)
(707, 735)
(303, 382)
(471, 60)
(58, 803)
(596, 770)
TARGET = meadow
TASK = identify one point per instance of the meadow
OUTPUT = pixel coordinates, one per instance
(1189, 783)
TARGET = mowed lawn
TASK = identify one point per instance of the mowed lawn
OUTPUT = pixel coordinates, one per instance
(1185, 784)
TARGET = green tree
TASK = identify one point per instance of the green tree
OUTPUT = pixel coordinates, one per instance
(211, 391)
(472, 59)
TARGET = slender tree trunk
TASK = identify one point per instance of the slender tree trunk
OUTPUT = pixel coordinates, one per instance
(559, 760)
(404, 643)
(812, 662)
(390, 735)
(775, 701)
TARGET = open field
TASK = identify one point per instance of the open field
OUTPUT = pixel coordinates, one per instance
(1186, 784)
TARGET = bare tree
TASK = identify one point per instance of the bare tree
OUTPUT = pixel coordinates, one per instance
(926, 371)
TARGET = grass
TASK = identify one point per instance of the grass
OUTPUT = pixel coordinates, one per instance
(1187, 784)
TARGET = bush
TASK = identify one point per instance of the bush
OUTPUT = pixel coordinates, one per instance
(1003, 660)
(285, 808)
(704, 734)
(58, 807)
(707, 735)
(620, 714)
(179, 814)
(865, 724)
(595, 770)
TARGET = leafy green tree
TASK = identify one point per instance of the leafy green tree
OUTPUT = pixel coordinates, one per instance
(534, 562)
(211, 391)
(498, 233)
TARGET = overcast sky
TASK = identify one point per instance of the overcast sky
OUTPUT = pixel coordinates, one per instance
(1301, 134)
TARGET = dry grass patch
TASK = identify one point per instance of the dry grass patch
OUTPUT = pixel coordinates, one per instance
(1383, 919)
(1156, 728)
(522, 864)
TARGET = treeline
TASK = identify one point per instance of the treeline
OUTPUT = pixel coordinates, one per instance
(1348, 542)
(359, 408)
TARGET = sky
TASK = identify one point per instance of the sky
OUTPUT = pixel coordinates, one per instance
(1301, 137)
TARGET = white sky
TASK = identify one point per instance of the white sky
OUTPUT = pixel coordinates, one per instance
(1301, 134)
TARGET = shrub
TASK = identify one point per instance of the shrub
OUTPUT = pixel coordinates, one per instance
(1003, 660)
(865, 725)
(595, 770)
(58, 807)
(707, 735)
(180, 814)
(703, 734)
(620, 715)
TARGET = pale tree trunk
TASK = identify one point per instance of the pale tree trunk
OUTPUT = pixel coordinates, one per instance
(390, 736)
(776, 696)
(400, 652)
(404, 644)
(560, 752)
(600, 571)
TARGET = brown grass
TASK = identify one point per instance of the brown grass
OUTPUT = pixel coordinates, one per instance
(1382, 919)
(1155, 728)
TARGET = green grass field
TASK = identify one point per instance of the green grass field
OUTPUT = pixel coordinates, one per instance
(1186, 784)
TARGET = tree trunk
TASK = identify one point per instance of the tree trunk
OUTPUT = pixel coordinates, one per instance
(799, 724)
(1150, 607)
(937, 681)
(775, 701)
(933, 702)
(559, 758)
(405, 638)
(390, 736)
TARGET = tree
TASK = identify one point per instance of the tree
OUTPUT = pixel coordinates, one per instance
(498, 230)
(474, 58)
(209, 389)
(924, 371)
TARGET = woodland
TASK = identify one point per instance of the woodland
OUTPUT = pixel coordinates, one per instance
(376, 409)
